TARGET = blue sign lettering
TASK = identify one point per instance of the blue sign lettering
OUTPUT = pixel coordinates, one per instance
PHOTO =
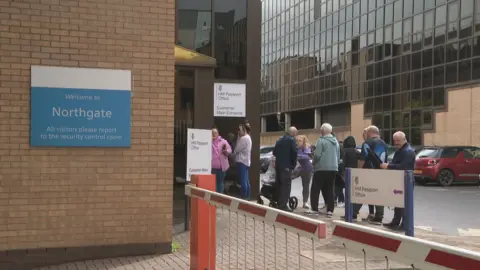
(80, 117)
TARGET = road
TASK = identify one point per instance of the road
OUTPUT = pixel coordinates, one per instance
(453, 210)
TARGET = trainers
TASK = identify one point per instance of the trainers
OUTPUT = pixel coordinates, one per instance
(375, 221)
(306, 206)
(368, 218)
(341, 205)
(329, 214)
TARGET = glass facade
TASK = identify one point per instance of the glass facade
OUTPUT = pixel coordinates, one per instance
(397, 56)
(226, 41)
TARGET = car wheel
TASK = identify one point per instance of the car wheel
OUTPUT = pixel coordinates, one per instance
(445, 177)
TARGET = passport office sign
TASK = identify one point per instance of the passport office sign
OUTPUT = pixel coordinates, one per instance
(80, 107)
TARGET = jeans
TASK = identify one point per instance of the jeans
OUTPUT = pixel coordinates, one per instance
(242, 171)
(219, 179)
(306, 179)
(378, 211)
(398, 216)
(283, 186)
(323, 181)
(339, 196)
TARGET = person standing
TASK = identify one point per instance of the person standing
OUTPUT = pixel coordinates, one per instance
(325, 167)
(285, 152)
(349, 160)
(305, 170)
(403, 159)
(242, 153)
(374, 152)
(220, 164)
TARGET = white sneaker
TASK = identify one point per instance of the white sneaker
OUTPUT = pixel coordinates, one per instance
(306, 206)
(329, 214)
(341, 205)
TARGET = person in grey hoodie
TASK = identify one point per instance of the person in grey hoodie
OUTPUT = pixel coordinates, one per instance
(325, 167)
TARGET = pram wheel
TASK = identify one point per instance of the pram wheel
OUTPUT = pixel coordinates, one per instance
(259, 200)
(293, 203)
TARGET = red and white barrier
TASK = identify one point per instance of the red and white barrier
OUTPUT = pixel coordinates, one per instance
(280, 219)
(420, 253)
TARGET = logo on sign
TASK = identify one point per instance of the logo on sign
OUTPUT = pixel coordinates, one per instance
(193, 136)
(220, 87)
(356, 180)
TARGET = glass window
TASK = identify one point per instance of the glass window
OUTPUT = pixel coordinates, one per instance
(428, 4)
(407, 8)
(398, 10)
(467, 8)
(397, 30)
(428, 20)
(453, 11)
(417, 6)
(371, 21)
(440, 15)
(389, 14)
(380, 17)
(194, 19)
(231, 38)
(418, 23)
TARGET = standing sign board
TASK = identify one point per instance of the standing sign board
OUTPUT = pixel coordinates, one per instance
(229, 100)
(377, 187)
(80, 107)
(199, 152)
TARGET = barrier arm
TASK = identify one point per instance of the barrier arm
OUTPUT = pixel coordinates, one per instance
(418, 253)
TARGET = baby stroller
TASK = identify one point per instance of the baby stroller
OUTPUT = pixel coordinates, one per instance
(269, 191)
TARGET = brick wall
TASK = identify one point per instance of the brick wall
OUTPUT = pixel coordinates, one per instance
(68, 197)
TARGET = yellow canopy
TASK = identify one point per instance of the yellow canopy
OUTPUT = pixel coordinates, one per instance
(187, 57)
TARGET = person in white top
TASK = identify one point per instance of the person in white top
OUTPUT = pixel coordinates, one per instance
(242, 155)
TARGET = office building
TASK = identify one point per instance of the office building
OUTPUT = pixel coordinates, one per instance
(409, 65)
(61, 204)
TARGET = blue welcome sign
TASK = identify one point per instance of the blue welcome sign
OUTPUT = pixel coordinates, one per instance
(80, 107)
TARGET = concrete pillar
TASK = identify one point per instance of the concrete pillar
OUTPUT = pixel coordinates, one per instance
(263, 124)
(318, 118)
(288, 121)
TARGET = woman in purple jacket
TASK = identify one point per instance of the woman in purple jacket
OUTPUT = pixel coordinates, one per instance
(220, 152)
(305, 168)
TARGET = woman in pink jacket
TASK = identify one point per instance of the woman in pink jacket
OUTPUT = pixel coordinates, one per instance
(220, 152)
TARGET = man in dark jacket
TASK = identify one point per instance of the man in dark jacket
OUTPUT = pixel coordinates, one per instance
(404, 159)
(285, 152)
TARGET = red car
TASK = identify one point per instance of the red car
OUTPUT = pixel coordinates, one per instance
(448, 164)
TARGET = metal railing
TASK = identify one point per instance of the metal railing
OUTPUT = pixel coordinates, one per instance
(253, 236)
(413, 252)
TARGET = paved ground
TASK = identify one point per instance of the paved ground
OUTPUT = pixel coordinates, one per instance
(450, 210)
(264, 251)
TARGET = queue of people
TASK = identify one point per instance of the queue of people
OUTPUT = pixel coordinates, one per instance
(320, 166)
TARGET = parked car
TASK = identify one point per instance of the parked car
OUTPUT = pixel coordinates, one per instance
(265, 155)
(417, 149)
(447, 165)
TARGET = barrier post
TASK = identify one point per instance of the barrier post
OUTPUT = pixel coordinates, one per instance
(348, 198)
(203, 227)
(409, 198)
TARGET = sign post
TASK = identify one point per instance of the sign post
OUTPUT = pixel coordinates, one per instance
(380, 187)
(229, 100)
(199, 160)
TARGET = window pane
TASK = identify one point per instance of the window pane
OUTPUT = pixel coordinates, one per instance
(389, 14)
(231, 39)
(398, 10)
(417, 6)
(194, 25)
(453, 11)
(467, 8)
(407, 8)
(440, 14)
(417, 23)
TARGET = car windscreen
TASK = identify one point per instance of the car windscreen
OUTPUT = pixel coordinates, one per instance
(265, 150)
(429, 153)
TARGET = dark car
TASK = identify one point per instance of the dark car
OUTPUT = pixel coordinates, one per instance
(266, 153)
(448, 164)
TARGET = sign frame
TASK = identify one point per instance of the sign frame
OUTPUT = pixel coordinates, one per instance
(229, 99)
(198, 163)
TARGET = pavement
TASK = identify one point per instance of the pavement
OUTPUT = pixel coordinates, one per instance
(246, 244)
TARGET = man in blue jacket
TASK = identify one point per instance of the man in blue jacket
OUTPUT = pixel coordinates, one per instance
(285, 152)
(404, 159)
